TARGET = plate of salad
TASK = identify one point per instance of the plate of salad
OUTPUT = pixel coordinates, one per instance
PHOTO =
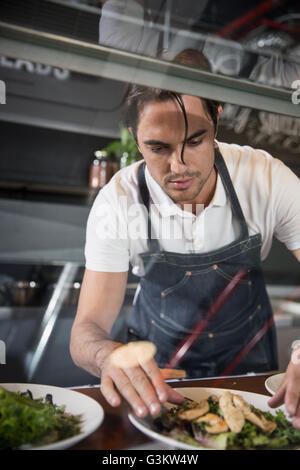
(43, 417)
(220, 419)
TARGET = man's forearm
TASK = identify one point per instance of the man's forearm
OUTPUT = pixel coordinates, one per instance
(90, 345)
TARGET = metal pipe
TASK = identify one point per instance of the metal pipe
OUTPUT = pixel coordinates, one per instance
(250, 15)
(48, 322)
(167, 24)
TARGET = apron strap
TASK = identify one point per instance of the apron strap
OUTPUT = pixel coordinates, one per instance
(144, 192)
(226, 180)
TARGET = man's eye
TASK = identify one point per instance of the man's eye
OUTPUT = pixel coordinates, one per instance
(156, 149)
(194, 143)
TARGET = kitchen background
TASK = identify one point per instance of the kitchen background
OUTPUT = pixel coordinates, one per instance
(52, 123)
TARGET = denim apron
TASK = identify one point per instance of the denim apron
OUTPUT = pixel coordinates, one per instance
(177, 290)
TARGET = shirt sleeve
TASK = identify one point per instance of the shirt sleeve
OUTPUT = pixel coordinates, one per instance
(286, 205)
(106, 247)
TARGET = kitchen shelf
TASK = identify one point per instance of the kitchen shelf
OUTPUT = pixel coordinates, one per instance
(79, 56)
(48, 192)
(77, 190)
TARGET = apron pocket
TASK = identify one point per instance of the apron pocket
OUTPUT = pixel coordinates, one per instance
(216, 349)
(186, 302)
(228, 275)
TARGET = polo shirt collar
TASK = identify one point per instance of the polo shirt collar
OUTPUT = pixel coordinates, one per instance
(220, 197)
(167, 207)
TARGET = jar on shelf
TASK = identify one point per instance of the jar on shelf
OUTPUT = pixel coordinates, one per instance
(101, 170)
(115, 162)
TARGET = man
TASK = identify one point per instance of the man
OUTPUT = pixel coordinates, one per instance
(225, 202)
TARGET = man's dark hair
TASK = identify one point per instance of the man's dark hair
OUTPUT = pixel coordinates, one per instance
(138, 95)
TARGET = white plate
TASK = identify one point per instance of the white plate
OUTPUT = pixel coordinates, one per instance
(273, 383)
(75, 403)
(197, 393)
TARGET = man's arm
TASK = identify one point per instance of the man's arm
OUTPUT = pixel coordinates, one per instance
(297, 254)
(289, 390)
(100, 301)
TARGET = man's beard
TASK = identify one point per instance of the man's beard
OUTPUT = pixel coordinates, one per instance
(189, 194)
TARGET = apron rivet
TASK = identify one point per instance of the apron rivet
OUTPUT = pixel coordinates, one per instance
(249, 283)
(162, 294)
(188, 273)
(259, 307)
(215, 266)
(210, 335)
(250, 317)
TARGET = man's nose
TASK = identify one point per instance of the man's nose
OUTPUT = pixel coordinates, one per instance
(176, 164)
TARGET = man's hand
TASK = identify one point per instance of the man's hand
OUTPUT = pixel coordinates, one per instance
(289, 391)
(142, 386)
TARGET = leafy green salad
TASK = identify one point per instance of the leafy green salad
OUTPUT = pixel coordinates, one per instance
(226, 422)
(25, 420)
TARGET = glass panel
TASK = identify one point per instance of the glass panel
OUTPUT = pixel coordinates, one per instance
(66, 66)
(279, 135)
(48, 49)
(256, 41)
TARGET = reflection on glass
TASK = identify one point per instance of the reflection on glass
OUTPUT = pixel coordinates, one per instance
(268, 54)
(149, 27)
(257, 41)
(266, 51)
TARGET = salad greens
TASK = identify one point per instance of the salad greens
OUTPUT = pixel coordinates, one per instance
(24, 420)
(191, 432)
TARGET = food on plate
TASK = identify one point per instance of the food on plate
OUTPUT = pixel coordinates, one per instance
(226, 422)
(195, 411)
(213, 423)
(173, 373)
(254, 417)
(33, 421)
(233, 415)
(133, 354)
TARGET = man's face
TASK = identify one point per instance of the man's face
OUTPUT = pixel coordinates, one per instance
(160, 136)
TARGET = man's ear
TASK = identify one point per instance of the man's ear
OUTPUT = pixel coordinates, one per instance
(220, 110)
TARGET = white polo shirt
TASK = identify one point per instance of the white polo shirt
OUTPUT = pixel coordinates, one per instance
(268, 192)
